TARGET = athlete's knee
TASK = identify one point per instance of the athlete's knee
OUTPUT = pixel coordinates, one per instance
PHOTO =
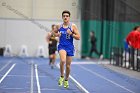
(68, 66)
(51, 56)
(62, 62)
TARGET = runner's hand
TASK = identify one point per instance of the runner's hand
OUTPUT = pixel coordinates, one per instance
(69, 32)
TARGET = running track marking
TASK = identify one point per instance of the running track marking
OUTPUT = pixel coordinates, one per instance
(77, 63)
(106, 79)
(6, 65)
(7, 72)
(37, 79)
(32, 73)
(75, 81)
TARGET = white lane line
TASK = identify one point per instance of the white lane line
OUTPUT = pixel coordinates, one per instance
(79, 85)
(76, 82)
(84, 63)
(106, 79)
(32, 78)
(37, 79)
(6, 65)
(7, 72)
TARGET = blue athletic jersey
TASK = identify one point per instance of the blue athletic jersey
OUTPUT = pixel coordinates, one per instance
(65, 39)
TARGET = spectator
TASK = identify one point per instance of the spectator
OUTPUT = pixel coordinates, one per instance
(93, 41)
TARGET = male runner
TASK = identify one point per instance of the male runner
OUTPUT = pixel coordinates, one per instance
(52, 46)
(66, 32)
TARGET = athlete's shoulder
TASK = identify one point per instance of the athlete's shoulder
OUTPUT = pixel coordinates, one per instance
(59, 25)
(74, 25)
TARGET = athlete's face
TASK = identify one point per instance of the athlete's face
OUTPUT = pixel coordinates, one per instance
(54, 28)
(66, 17)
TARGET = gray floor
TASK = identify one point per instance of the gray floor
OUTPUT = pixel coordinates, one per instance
(129, 72)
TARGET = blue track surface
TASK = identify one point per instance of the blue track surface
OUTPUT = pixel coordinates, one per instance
(19, 75)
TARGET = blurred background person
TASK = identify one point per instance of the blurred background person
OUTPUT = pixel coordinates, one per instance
(133, 40)
(93, 41)
(52, 46)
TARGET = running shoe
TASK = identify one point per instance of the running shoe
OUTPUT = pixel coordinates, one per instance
(66, 84)
(60, 81)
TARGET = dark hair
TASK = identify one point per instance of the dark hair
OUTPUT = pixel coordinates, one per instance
(136, 27)
(92, 32)
(66, 11)
(53, 25)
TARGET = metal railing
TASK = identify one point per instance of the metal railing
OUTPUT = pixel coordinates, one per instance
(129, 58)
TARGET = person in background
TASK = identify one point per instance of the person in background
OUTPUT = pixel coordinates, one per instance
(52, 46)
(133, 40)
(93, 41)
(133, 37)
(126, 46)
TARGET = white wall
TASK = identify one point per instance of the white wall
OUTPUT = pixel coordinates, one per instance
(38, 9)
(17, 30)
(24, 32)
(2, 32)
(8, 6)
